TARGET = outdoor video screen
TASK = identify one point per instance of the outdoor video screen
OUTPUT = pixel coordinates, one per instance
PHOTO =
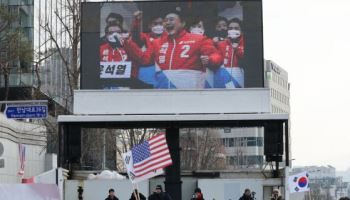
(172, 45)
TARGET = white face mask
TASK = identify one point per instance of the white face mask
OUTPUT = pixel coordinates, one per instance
(197, 31)
(233, 34)
(113, 37)
(159, 29)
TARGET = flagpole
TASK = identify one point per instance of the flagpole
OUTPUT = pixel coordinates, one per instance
(138, 192)
(134, 191)
(310, 194)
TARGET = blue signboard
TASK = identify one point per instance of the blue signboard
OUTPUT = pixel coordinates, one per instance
(26, 111)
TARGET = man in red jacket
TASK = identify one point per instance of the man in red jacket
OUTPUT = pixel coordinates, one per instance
(115, 62)
(146, 73)
(112, 50)
(177, 55)
(155, 29)
(232, 49)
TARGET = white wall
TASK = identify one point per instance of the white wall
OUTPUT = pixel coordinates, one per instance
(33, 136)
(171, 101)
(232, 189)
(98, 189)
(34, 165)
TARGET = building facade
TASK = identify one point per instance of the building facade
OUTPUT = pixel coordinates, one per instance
(33, 137)
(38, 20)
(51, 48)
(244, 147)
(21, 74)
(276, 78)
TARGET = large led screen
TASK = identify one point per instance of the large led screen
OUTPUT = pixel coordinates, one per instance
(172, 45)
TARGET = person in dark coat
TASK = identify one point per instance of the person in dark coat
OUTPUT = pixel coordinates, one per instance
(135, 194)
(111, 195)
(197, 194)
(247, 195)
(158, 194)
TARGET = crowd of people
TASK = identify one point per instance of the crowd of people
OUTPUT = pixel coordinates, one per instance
(177, 48)
(159, 194)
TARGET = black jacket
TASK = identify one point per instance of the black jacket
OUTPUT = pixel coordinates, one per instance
(114, 198)
(244, 197)
(142, 197)
(160, 196)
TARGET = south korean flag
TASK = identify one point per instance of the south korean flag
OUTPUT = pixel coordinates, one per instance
(128, 161)
(299, 182)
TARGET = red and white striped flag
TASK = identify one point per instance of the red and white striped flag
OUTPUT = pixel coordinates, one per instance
(151, 155)
(22, 158)
(147, 159)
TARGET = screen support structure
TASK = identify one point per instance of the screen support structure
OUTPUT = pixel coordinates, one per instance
(70, 128)
(173, 173)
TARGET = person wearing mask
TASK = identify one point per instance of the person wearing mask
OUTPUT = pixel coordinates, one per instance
(231, 75)
(247, 195)
(112, 18)
(135, 194)
(155, 29)
(220, 33)
(196, 26)
(276, 195)
(197, 194)
(111, 195)
(143, 39)
(158, 194)
(113, 51)
(178, 56)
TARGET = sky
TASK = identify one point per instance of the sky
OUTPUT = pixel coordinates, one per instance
(311, 40)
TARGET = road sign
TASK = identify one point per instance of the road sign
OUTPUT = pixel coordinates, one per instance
(26, 111)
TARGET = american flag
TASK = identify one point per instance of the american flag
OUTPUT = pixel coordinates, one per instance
(151, 155)
(22, 158)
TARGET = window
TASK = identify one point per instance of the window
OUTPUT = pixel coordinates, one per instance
(227, 130)
(223, 141)
(260, 141)
(251, 141)
(243, 142)
(245, 160)
(269, 76)
(228, 142)
(255, 141)
(255, 160)
(231, 142)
